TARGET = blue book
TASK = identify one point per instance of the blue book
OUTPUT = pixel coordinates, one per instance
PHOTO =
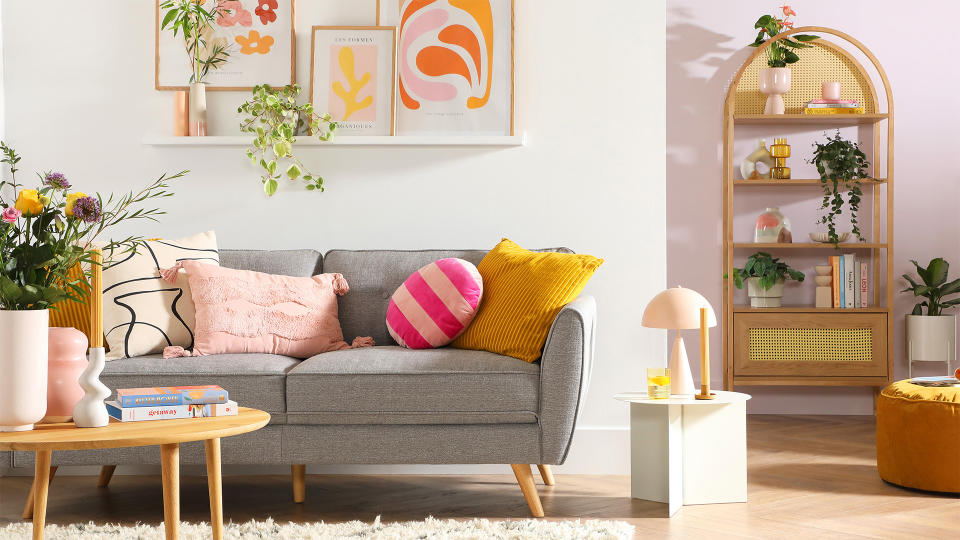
(171, 395)
(843, 272)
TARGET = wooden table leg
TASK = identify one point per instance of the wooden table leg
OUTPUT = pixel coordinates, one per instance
(214, 487)
(170, 466)
(41, 479)
(106, 473)
(28, 507)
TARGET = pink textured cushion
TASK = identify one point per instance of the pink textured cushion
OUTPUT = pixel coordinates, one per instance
(435, 304)
(239, 311)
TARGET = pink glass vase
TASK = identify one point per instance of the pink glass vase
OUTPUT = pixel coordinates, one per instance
(67, 357)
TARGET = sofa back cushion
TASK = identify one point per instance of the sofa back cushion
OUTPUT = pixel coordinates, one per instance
(293, 262)
(374, 276)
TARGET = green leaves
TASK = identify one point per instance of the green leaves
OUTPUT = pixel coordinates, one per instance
(769, 270)
(841, 165)
(275, 118)
(779, 52)
(934, 287)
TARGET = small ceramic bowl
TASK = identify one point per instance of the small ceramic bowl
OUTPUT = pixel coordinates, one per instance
(823, 281)
(823, 269)
(824, 238)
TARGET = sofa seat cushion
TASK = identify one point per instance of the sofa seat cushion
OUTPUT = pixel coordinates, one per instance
(394, 385)
(253, 380)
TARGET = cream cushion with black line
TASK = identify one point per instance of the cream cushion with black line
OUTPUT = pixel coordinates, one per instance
(142, 313)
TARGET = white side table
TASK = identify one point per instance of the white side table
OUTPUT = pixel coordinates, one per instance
(685, 451)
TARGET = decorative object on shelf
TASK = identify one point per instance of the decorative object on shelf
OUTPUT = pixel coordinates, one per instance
(352, 74)
(824, 237)
(840, 163)
(181, 113)
(67, 349)
(772, 227)
(932, 336)
(677, 309)
(765, 277)
(829, 106)
(824, 281)
(197, 115)
(274, 118)
(780, 151)
(748, 167)
(91, 411)
(658, 383)
(257, 36)
(47, 232)
(456, 68)
(830, 90)
(774, 80)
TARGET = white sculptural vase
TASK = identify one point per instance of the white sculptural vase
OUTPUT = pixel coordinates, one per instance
(90, 411)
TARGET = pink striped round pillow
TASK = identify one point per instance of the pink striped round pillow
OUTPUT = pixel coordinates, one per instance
(435, 304)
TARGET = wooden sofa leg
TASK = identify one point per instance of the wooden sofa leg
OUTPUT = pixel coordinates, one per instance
(299, 473)
(525, 478)
(546, 474)
(106, 473)
(28, 508)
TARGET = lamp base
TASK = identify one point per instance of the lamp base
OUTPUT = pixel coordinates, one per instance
(709, 396)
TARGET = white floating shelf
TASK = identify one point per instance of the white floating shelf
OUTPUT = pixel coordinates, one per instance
(345, 140)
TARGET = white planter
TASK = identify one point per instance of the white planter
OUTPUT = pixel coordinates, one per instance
(760, 298)
(774, 82)
(931, 339)
(23, 368)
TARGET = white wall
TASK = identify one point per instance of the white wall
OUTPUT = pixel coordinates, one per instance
(590, 84)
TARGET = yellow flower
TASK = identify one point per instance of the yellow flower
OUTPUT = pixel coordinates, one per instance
(72, 200)
(28, 202)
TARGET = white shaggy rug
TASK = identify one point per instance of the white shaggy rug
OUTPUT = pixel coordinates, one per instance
(260, 530)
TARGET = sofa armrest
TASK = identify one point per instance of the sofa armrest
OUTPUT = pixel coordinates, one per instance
(564, 376)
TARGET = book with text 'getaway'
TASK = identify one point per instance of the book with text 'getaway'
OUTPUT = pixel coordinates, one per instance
(171, 395)
(168, 412)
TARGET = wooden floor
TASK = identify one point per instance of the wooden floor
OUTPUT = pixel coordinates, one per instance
(809, 477)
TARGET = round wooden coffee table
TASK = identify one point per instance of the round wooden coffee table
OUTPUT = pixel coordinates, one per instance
(167, 434)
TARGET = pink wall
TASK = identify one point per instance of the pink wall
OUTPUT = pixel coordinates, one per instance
(705, 46)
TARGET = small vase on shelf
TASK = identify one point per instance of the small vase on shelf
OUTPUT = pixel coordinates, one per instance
(67, 347)
(90, 411)
(198, 109)
(774, 82)
(772, 227)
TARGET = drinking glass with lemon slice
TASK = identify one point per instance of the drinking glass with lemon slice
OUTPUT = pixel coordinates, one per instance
(658, 383)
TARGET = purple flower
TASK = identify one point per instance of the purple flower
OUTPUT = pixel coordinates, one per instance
(87, 209)
(56, 181)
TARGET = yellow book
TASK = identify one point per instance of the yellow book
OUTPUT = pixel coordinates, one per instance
(833, 110)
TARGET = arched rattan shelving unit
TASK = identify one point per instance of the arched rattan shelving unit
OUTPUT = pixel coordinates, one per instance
(750, 336)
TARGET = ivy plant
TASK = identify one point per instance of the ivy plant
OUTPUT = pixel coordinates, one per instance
(841, 165)
(934, 287)
(275, 119)
(768, 269)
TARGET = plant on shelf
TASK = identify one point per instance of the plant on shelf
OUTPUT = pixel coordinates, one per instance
(781, 51)
(765, 276)
(195, 23)
(275, 118)
(932, 336)
(841, 165)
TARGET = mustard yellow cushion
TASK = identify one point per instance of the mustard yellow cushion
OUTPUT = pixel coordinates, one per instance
(72, 314)
(522, 293)
(918, 437)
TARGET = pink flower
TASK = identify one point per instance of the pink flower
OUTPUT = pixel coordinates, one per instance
(788, 24)
(787, 10)
(11, 214)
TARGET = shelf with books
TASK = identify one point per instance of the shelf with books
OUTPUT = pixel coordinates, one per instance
(807, 309)
(800, 182)
(810, 245)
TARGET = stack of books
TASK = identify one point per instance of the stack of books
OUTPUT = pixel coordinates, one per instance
(169, 402)
(833, 106)
(850, 281)
(936, 382)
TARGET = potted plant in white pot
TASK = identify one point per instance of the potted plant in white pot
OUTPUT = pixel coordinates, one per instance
(765, 277)
(932, 336)
(44, 233)
(774, 80)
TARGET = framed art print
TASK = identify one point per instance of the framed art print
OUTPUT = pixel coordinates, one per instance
(455, 62)
(259, 36)
(352, 77)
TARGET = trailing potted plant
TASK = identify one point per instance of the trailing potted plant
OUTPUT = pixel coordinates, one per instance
(774, 79)
(932, 336)
(44, 233)
(765, 277)
(274, 118)
(195, 23)
(841, 165)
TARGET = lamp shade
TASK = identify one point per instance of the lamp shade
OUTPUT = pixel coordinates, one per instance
(677, 309)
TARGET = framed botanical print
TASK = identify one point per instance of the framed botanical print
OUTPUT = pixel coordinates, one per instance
(455, 63)
(258, 35)
(352, 77)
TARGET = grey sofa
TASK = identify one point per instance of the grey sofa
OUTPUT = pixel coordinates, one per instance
(379, 405)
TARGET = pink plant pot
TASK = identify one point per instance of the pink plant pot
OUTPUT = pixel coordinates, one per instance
(774, 82)
(67, 357)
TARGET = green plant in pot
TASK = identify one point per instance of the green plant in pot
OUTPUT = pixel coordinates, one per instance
(275, 118)
(841, 165)
(765, 277)
(931, 334)
(774, 80)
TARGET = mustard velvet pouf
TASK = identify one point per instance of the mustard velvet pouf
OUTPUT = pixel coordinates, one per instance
(918, 437)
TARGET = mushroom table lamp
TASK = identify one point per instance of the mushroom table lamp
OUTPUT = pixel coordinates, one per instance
(683, 309)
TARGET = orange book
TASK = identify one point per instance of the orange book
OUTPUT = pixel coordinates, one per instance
(836, 282)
